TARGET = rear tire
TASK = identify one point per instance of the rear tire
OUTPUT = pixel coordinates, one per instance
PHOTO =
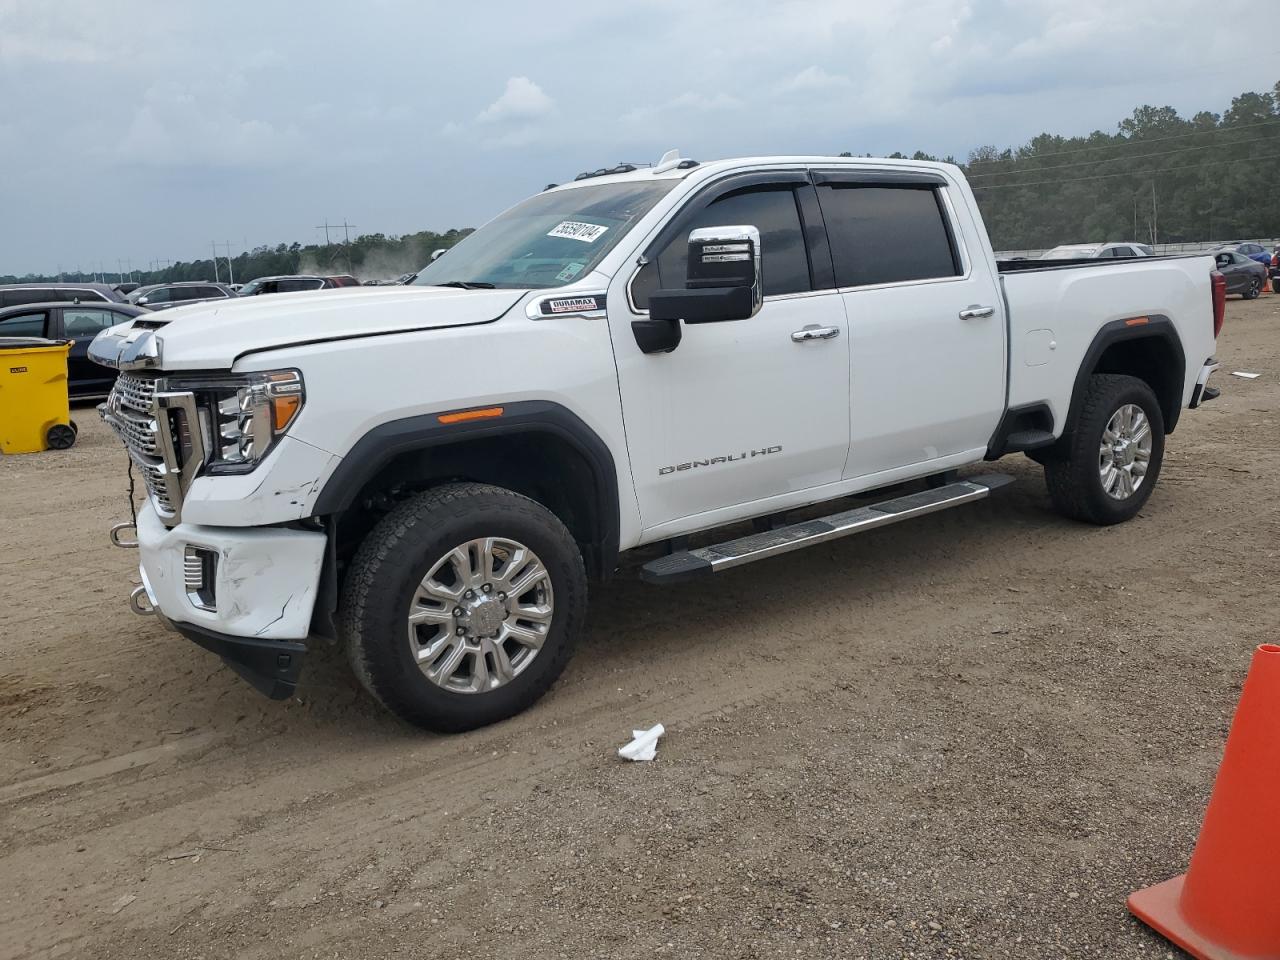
(429, 627)
(1111, 459)
(1255, 288)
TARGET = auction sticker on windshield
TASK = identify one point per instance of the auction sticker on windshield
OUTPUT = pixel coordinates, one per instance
(575, 230)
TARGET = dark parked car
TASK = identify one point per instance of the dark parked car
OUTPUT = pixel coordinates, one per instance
(13, 294)
(1244, 276)
(162, 296)
(77, 322)
(295, 284)
(1254, 251)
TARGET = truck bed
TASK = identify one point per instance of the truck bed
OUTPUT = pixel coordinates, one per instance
(1057, 307)
(1033, 266)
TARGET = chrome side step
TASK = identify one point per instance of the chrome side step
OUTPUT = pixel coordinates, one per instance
(686, 564)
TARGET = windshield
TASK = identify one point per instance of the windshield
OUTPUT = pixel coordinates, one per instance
(250, 288)
(1069, 253)
(549, 240)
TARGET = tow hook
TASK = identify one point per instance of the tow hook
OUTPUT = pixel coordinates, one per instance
(120, 528)
(140, 603)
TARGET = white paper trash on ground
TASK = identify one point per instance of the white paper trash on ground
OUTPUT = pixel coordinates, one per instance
(1246, 376)
(644, 746)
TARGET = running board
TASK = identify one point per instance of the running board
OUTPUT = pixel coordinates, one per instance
(686, 564)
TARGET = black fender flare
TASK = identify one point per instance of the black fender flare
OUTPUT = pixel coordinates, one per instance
(1152, 327)
(377, 448)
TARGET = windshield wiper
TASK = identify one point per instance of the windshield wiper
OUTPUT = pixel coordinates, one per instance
(466, 284)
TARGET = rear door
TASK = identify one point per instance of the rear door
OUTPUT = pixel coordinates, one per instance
(926, 320)
(80, 324)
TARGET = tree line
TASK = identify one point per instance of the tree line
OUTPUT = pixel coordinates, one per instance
(369, 256)
(1159, 178)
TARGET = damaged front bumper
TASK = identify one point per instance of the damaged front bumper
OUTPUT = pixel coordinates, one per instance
(244, 593)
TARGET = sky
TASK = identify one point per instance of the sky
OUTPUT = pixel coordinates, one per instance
(138, 130)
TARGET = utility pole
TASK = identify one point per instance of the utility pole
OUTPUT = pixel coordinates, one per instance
(1155, 229)
(214, 245)
(346, 233)
(231, 275)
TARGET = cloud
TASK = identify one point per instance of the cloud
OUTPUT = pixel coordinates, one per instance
(683, 105)
(815, 78)
(522, 100)
(174, 127)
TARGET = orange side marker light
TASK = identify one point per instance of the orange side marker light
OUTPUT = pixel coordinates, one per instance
(462, 416)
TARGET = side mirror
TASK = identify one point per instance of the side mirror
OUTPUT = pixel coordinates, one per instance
(723, 279)
(723, 282)
(437, 254)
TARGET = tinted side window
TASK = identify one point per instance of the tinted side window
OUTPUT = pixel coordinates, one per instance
(12, 298)
(77, 322)
(292, 286)
(81, 295)
(24, 325)
(887, 234)
(784, 261)
(1121, 252)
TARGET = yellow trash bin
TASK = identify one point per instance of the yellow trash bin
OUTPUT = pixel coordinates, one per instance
(35, 411)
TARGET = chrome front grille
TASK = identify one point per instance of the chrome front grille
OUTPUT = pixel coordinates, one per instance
(132, 412)
(136, 393)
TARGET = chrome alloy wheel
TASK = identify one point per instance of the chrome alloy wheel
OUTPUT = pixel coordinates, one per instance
(480, 615)
(1125, 452)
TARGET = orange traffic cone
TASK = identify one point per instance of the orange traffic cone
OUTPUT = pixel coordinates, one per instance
(1227, 905)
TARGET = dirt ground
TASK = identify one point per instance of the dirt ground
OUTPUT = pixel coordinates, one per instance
(967, 736)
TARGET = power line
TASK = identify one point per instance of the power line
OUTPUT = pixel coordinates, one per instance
(1131, 142)
(1128, 173)
(1141, 156)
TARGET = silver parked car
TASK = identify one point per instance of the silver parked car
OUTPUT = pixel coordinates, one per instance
(1098, 251)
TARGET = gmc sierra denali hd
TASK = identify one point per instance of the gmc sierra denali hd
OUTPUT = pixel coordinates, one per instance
(431, 474)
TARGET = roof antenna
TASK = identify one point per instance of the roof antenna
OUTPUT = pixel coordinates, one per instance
(669, 160)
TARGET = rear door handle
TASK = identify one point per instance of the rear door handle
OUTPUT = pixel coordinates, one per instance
(976, 312)
(814, 332)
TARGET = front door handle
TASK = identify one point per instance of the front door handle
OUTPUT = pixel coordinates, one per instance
(976, 312)
(814, 332)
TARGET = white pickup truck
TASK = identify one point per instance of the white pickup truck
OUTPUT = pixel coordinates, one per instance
(431, 474)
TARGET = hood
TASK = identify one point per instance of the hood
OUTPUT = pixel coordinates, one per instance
(211, 335)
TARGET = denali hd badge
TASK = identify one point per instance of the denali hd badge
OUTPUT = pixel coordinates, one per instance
(730, 458)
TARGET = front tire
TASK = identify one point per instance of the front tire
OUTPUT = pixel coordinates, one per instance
(1255, 288)
(1113, 454)
(462, 606)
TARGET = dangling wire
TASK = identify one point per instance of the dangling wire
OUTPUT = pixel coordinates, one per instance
(133, 510)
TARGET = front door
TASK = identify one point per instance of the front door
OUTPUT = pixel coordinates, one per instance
(926, 321)
(741, 411)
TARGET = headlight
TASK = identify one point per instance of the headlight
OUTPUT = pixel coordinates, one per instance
(242, 417)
